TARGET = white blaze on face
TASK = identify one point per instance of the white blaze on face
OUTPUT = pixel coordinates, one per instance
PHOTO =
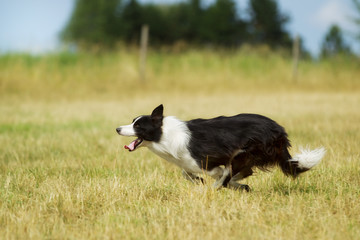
(127, 130)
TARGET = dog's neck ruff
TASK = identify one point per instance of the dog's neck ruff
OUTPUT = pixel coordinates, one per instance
(173, 144)
(174, 139)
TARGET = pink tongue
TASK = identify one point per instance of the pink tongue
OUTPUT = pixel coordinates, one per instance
(131, 146)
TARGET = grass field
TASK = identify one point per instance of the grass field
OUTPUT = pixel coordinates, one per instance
(65, 175)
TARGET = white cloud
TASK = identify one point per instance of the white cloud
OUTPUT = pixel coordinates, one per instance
(333, 12)
(329, 12)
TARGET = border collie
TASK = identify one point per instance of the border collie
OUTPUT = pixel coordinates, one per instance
(226, 148)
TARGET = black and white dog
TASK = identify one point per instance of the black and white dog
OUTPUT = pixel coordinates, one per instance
(226, 148)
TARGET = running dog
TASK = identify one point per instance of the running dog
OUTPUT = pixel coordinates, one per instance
(226, 148)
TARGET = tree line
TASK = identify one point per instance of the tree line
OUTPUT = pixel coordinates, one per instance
(106, 22)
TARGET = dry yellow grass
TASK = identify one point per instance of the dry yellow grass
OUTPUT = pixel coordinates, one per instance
(65, 175)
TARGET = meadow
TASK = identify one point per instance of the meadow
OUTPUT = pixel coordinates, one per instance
(65, 175)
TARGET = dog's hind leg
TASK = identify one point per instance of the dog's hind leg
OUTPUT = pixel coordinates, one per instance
(192, 177)
(239, 176)
(241, 168)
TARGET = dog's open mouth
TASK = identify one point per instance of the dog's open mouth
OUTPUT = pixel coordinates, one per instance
(134, 144)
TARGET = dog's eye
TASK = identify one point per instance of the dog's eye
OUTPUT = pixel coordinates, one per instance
(136, 125)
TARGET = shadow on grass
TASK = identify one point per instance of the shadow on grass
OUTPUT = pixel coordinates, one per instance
(287, 189)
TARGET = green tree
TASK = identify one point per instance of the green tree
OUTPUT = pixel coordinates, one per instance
(221, 24)
(334, 43)
(357, 19)
(107, 21)
(131, 20)
(93, 22)
(158, 23)
(185, 20)
(267, 24)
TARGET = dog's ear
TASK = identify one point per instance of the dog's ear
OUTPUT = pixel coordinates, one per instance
(157, 115)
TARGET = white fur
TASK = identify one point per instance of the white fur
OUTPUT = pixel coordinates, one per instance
(173, 145)
(309, 158)
(128, 130)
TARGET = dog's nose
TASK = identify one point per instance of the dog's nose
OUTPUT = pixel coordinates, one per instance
(118, 130)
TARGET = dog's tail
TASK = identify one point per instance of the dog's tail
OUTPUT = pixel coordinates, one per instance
(302, 162)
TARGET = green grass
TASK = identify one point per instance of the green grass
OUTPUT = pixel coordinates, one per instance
(115, 75)
(65, 175)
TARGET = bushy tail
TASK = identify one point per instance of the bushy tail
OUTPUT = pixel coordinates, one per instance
(303, 161)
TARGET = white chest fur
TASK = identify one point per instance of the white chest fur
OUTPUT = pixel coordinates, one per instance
(173, 145)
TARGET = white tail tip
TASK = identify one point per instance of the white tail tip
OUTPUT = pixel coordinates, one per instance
(309, 158)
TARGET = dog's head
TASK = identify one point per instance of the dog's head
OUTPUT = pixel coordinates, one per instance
(145, 128)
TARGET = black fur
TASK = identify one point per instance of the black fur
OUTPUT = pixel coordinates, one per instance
(148, 127)
(263, 141)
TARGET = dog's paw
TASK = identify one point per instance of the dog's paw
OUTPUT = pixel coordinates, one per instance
(239, 187)
(245, 187)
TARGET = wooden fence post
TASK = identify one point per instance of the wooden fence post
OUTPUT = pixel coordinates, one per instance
(296, 55)
(144, 38)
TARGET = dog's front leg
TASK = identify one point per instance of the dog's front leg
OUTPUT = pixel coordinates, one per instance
(223, 179)
(192, 177)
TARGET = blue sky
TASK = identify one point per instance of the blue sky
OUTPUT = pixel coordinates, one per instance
(34, 25)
